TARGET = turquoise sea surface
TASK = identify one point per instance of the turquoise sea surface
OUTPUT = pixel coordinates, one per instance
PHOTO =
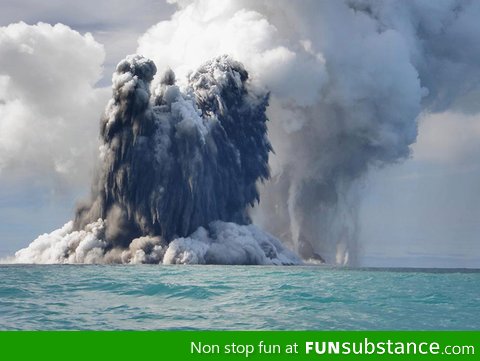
(107, 297)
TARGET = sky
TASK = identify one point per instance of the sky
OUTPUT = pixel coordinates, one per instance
(420, 212)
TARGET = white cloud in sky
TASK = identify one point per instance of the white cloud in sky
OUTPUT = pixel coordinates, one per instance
(49, 105)
(115, 24)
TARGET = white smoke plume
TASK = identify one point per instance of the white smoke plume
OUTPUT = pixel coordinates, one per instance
(348, 81)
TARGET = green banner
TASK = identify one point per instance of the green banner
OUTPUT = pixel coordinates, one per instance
(240, 345)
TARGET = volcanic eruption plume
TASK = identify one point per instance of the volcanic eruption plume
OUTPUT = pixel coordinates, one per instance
(178, 171)
(344, 84)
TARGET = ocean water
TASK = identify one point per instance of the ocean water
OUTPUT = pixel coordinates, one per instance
(109, 297)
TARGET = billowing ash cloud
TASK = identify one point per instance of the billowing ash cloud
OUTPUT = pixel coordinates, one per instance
(191, 159)
(348, 80)
(178, 171)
